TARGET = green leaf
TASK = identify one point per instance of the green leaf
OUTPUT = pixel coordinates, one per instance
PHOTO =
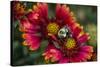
(16, 23)
(15, 44)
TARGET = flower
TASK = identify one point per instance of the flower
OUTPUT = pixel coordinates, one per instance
(18, 10)
(31, 38)
(67, 39)
(52, 54)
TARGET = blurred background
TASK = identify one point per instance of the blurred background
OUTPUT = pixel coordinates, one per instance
(85, 15)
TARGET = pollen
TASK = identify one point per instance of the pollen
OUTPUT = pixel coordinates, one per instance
(52, 28)
(70, 44)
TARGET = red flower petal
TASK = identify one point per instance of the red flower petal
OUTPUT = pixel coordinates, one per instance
(75, 59)
(62, 12)
(26, 26)
(52, 53)
(32, 41)
(41, 9)
(83, 56)
(33, 17)
(64, 60)
(86, 48)
(83, 38)
(34, 45)
(76, 31)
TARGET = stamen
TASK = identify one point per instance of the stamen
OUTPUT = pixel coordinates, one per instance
(52, 28)
(70, 43)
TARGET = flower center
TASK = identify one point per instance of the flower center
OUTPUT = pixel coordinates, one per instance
(70, 43)
(52, 28)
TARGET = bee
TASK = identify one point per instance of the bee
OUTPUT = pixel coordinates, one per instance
(64, 32)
